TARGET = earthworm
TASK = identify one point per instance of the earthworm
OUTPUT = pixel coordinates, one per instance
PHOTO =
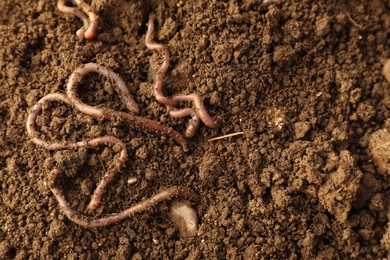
(107, 178)
(199, 112)
(194, 123)
(158, 86)
(111, 172)
(73, 100)
(122, 90)
(86, 14)
(84, 221)
(200, 109)
(150, 125)
(110, 113)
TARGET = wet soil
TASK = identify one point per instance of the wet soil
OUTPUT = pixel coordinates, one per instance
(303, 80)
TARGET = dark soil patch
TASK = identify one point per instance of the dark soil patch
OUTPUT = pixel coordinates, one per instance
(303, 80)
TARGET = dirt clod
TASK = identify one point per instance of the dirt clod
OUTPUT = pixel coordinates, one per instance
(379, 146)
(339, 191)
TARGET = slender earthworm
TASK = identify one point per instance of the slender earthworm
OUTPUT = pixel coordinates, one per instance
(158, 86)
(146, 123)
(152, 126)
(84, 221)
(199, 108)
(272, 1)
(194, 123)
(86, 14)
(111, 172)
(110, 114)
(122, 90)
(91, 31)
(35, 111)
(199, 112)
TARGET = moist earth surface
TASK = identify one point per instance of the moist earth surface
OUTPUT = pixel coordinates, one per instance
(303, 81)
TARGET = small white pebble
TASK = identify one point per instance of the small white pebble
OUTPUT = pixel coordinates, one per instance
(132, 180)
(185, 218)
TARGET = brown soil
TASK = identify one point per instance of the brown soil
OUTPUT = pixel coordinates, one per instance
(303, 80)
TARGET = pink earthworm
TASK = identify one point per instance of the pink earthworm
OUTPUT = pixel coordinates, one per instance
(149, 125)
(111, 114)
(199, 112)
(200, 109)
(194, 123)
(86, 14)
(73, 100)
(111, 172)
(81, 71)
(144, 205)
(158, 85)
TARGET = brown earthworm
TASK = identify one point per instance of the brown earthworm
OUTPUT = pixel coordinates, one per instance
(84, 221)
(110, 113)
(272, 1)
(111, 172)
(199, 112)
(200, 109)
(194, 123)
(158, 86)
(146, 123)
(122, 90)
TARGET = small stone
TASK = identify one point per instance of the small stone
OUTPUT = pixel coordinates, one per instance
(280, 198)
(95, 245)
(132, 180)
(185, 218)
(142, 153)
(254, 160)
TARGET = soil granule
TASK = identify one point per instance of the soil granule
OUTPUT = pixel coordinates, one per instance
(304, 81)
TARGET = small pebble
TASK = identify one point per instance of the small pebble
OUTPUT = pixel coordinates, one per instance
(185, 218)
(132, 180)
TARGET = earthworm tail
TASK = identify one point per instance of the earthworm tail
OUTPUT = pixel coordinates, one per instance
(84, 221)
(200, 109)
(158, 86)
(199, 112)
(86, 14)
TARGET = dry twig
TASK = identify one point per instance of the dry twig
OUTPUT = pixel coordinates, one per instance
(225, 136)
